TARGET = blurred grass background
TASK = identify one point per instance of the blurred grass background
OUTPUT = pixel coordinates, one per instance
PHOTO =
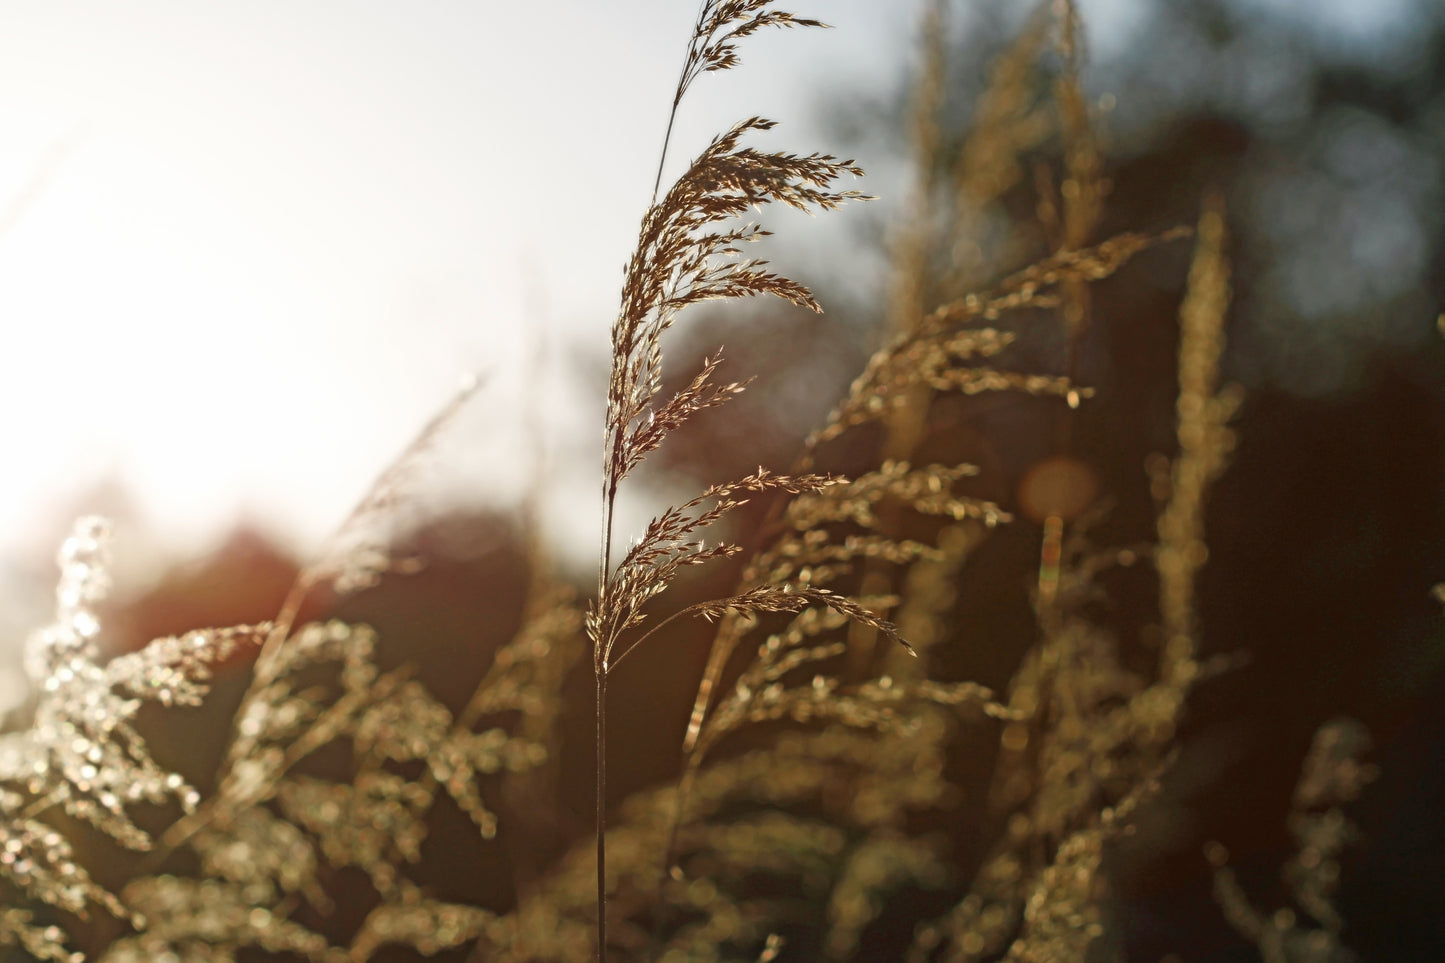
(235, 301)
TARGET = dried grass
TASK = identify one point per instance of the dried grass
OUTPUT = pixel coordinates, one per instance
(819, 726)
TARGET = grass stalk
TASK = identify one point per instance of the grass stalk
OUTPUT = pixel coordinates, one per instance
(601, 816)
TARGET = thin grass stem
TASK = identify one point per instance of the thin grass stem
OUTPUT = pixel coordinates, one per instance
(601, 816)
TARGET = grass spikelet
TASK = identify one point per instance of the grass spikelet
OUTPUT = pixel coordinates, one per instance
(682, 259)
(1008, 124)
(929, 353)
(82, 752)
(42, 942)
(357, 555)
(909, 287)
(875, 868)
(1072, 218)
(206, 919)
(686, 255)
(1205, 439)
(679, 261)
(666, 545)
(1088, 737)
(375, 819)
(805, 557)
(50, 871)
(1331, 776)
(427, 924)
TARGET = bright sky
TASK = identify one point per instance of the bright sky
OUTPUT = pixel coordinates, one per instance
(247, 247)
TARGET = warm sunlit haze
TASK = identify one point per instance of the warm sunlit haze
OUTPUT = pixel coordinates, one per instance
(246, 249)
(384, 574)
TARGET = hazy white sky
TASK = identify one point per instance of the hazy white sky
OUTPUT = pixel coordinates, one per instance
(247, 247)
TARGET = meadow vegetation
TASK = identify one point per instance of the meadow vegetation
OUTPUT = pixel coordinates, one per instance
(855, 782)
